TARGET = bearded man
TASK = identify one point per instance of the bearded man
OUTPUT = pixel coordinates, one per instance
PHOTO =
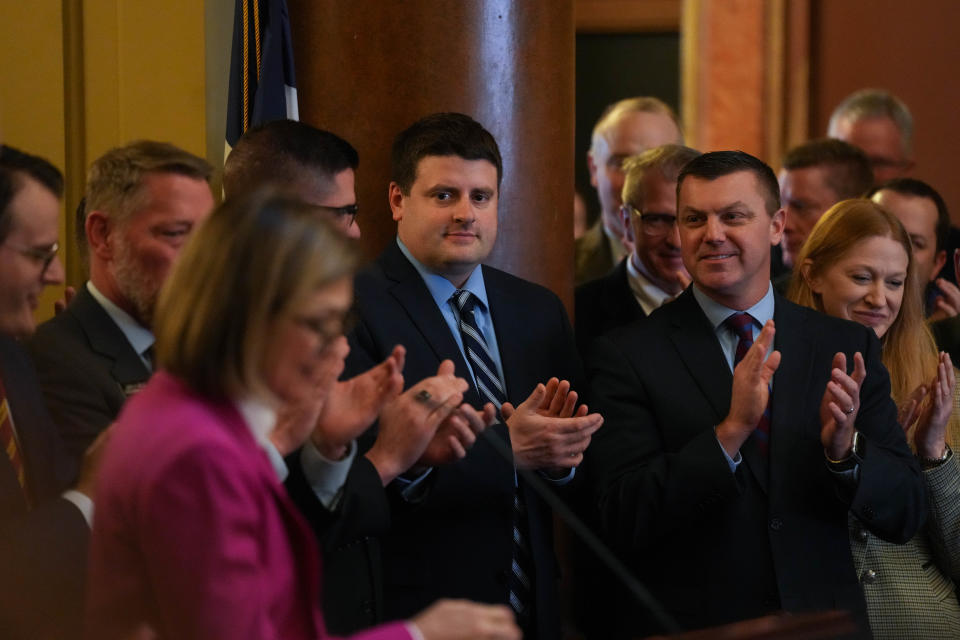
(142, 202)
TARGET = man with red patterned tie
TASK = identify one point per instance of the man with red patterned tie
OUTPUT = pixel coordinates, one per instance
(735, 441)
(44, 524)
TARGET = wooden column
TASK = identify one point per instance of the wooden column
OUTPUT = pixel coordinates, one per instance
(368, 70)
(746, 75)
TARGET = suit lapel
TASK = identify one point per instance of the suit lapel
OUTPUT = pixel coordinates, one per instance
(412, 294)
(700, 352)
(791, 381)
(108, 340)
(622, 302)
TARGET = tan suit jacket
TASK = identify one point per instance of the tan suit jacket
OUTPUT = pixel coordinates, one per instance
(910, 587)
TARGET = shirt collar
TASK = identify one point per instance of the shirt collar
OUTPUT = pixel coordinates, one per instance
(649, 295)
(716, 313)
(442, 289)
(259, 415)
(139, 337)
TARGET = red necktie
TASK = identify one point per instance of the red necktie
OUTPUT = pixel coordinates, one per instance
(742, 325)
(8, 440)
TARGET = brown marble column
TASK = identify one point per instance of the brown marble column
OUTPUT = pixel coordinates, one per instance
(366, 70)
(746, 75)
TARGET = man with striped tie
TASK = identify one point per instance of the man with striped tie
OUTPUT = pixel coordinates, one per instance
(741, 428)
(44, 526)
(470, 528)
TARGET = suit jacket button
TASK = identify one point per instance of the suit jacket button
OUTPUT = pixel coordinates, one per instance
(868, 513)
(776, 524)
(862, 534)
(868, 577)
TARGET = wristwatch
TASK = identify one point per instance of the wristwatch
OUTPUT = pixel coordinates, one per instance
(933, 463)
(857, 452)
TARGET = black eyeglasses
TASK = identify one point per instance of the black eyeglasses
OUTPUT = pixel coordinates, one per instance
(347, 211)
(40, 255)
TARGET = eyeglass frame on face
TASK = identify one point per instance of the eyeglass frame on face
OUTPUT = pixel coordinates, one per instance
(44, 255)
(321, 326)
(351, 210)
(646, 219)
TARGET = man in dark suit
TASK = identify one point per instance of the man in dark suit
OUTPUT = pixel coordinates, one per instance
(44, 525)
(728, 487)
(815, 176)
(626, 128)
(453, 526)
(339, 489)
(142, 202)
(653, 272)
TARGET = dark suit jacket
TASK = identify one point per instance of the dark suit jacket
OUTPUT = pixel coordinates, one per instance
(349, 538)
(456, 542)
(87, 369)
(604, 304)
(592, 255)
(44, 548)
(715, 546)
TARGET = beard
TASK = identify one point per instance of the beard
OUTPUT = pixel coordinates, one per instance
(136, 284)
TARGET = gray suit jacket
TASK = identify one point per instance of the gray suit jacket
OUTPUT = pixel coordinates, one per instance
(910, 588)
(87, 370)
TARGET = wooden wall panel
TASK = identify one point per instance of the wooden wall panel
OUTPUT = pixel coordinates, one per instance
(366, 71)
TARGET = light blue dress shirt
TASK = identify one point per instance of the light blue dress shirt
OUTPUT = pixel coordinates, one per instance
(139, 337)
(442, 290)
(717, 314)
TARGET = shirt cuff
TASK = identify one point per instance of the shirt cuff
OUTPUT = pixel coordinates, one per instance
(276, 460)
(326, 477)
(732, 462)
(414, 631)
(849, 476)
(82, 502)
(559, 482)
(412, 489)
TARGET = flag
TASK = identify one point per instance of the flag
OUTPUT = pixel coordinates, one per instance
(263, 85)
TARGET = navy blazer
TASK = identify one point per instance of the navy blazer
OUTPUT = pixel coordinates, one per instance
(456, 542)
(717, 546)
(87, 370)
(604, 304)
(43, 544)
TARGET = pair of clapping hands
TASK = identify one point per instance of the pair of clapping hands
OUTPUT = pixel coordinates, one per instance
(751, 388)
(429, 424)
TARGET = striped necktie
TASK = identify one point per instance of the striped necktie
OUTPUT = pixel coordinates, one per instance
(491, 389)
(742, 325)
(8, 440)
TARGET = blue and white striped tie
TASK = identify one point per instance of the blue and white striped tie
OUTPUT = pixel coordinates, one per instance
(491, 389)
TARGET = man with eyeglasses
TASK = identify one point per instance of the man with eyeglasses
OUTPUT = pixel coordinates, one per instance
(880, 124)
(319, 167)
(626, 128)
(338, 488)
(653, 272)
(142, 202)
(44, 523)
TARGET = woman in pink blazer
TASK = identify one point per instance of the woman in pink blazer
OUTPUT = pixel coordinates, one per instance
(194, 536)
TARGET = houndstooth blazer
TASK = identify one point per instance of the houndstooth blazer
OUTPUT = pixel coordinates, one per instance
(909, 588)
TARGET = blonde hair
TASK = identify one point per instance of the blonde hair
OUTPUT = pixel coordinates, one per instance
(255, 259)
(115, 179)
(668, 159)
(909, 351)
